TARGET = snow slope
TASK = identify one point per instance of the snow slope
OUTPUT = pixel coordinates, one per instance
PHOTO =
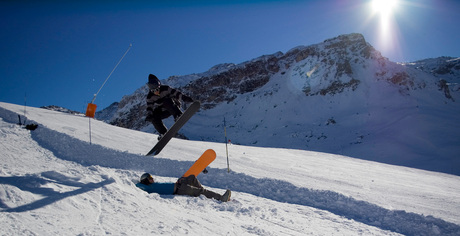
(54, 182)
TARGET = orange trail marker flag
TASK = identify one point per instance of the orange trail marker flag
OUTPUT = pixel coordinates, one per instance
(91, 110)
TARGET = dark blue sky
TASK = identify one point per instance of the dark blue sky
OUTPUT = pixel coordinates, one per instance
(60, 52)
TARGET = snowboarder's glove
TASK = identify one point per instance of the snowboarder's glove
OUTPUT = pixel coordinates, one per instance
(152, 107)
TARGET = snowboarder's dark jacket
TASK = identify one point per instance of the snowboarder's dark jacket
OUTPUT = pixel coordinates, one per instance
(154, 101)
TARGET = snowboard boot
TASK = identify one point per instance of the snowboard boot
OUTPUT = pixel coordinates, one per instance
(226, 196)
(177, 116)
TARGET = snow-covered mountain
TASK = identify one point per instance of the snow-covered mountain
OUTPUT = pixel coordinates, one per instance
(108, 112)
(340, 96)
(53, 181)
(446, 68)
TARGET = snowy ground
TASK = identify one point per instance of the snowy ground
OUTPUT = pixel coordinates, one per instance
(54, 182)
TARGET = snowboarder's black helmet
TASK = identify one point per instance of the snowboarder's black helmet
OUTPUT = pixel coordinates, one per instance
(154, 82)
(145, 178)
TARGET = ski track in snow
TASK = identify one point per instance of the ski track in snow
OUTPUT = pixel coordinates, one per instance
(99, 159)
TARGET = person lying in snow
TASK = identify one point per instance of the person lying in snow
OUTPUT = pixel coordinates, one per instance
(163, 102)
(184, 186)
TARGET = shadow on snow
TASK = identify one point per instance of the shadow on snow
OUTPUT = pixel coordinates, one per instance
(34, 184)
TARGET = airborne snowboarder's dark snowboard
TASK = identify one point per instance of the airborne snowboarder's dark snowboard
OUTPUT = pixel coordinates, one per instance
(194, 107)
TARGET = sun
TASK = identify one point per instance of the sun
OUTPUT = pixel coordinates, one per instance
(382, 24)
(384, 8)
(383, 18)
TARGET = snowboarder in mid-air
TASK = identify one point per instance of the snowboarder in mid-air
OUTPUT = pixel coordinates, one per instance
(163, 102)
(184, 186)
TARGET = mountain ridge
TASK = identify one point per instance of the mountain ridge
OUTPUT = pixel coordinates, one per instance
(340, 96)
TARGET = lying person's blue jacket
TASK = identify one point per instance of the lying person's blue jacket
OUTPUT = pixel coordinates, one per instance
(160, 188)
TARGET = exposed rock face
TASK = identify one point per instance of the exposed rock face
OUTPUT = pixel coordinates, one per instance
(225, 86)
(334, 55)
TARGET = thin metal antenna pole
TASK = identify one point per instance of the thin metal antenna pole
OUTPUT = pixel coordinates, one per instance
(226, 146)
(25, 107)
(95, 95)
(89, 118)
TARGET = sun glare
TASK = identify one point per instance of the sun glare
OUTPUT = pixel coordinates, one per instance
(384, 7)
(385, 11)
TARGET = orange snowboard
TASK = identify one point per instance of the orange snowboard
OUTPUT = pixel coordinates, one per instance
(200, 164)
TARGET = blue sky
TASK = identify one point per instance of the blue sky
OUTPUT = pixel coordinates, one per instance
(61, 52)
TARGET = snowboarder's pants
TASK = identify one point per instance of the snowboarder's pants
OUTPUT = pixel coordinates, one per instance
(192, 187)
(166, 110)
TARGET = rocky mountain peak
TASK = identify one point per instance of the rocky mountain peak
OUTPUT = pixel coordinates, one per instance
(331, 67)
(338, 96)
